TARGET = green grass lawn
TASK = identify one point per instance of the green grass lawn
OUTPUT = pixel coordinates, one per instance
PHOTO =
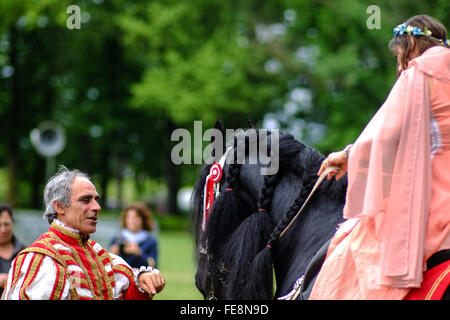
(177, 265)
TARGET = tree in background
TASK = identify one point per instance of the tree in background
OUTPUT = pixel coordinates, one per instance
(137, 70)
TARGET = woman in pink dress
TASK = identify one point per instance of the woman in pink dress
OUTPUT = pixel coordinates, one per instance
(398, 197)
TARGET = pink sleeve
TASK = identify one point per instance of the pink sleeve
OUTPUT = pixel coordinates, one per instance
(389, 178)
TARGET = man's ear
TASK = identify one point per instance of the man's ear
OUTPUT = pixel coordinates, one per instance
(59, 207)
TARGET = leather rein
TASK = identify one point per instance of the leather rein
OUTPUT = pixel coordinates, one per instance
(316, 185)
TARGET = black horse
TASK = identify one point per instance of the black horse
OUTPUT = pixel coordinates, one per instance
(241, 245)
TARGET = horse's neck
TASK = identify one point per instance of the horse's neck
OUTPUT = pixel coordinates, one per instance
(315, 225)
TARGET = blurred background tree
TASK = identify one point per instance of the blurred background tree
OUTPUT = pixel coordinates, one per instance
(137, 70)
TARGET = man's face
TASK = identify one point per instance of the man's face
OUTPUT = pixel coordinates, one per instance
(83, 211)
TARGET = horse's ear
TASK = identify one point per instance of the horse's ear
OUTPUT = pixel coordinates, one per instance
(219, 126)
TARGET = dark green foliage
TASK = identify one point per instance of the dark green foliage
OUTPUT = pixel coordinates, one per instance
(137, 70)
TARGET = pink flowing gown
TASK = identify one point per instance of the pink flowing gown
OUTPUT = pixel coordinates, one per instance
(398, 197)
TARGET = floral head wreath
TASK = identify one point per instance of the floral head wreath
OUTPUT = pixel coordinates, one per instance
(410, 30)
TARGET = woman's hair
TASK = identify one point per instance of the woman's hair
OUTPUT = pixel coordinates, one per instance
(423, 43)
(143, 212)
(58, 188)
(7, 208)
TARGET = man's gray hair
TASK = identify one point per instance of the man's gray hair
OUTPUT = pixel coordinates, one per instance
(58, 188)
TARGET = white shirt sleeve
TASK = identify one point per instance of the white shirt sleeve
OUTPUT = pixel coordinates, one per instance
(41, 286)
(122, 281)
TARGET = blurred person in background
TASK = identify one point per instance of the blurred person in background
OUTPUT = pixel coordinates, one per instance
(9, 245)
(135, 243)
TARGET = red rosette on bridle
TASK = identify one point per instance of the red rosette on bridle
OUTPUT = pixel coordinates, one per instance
(215, 174)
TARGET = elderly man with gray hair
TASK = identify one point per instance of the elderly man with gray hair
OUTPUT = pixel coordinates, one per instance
(64, 263)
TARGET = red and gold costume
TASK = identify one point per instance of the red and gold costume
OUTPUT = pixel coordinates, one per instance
(62, 265)
(435, 283)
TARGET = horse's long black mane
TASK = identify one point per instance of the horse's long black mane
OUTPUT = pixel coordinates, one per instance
(241, 242)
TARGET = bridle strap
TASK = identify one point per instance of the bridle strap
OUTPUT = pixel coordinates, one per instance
(221, 163)
(316, 185)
